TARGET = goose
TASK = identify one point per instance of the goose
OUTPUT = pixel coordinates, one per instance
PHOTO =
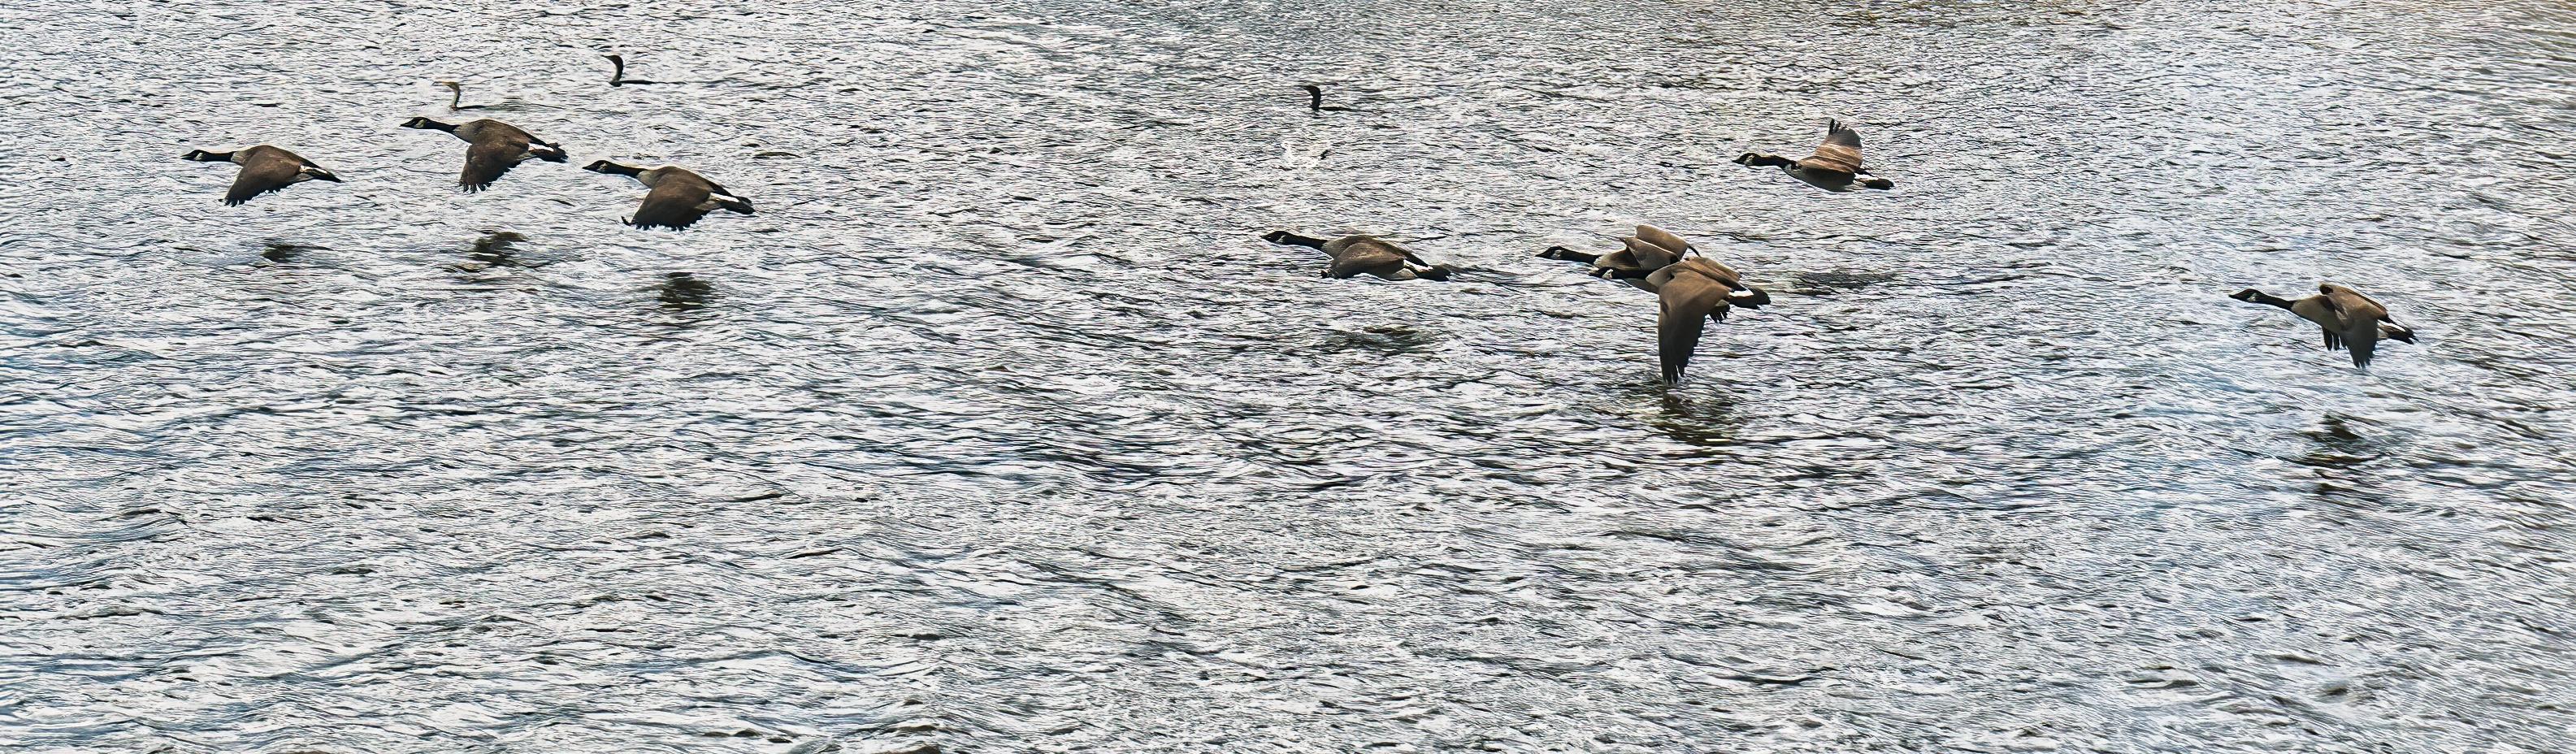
(677, 197)
(263, 169)
(2350, 320)
(1356, 255)
(457, 100)
(497, 147)
(1835, 166)
(1690, 293)
(1639, 256)
(1315, 100)
(618, 77)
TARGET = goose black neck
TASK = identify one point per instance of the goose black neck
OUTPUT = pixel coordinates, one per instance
(1292, 239)
(2266, 298)
(1314, 98)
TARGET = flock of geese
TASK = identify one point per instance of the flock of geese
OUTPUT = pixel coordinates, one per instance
(1691, 289)
(674, 197)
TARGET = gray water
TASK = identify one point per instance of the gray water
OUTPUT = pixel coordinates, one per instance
(999, 429)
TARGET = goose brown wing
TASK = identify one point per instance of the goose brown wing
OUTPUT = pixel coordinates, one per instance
(1841, 150)
(1684, 306)
(487, 159)
(1664, 238)
(2350, 303)
(1365, 255)
(672, 204)
(2359, 315)
(1648, 255)
(1711, 269)
(266, 171)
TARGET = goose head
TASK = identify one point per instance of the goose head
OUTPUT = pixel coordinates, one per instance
(1436, 272)
(1758, 159)
(420, 122)
(201, 155)
(604, 166)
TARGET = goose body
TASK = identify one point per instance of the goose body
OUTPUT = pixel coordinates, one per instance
(496, 147)
(1688, 295)
(617, 76)
(1638, 258)
(675, 197)
(1365, 255)
(1835, 165)
(263, 169)
(1315, 101)
(2350, 321)
(456, 98)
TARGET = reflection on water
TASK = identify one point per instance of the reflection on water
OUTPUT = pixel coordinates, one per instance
(998, 429)
(283, 252)
(681, 290)
(1697, 419)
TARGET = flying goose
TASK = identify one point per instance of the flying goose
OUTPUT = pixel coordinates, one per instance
(1834, 167)
(618, 77)
(677, 197)
(496, 148)
(1690, 293)
(2350, 320)
(263, 169)
(1639, 256)
(1356, 255)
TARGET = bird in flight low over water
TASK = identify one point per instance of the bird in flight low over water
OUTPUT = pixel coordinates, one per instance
(1638, 257)
(2351, 321)
(1835, 166)
(495, 148)
(1689, 294)
(263, 169)
(1365, 255)
(677, 197)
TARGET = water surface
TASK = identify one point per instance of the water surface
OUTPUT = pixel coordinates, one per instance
(999, 429)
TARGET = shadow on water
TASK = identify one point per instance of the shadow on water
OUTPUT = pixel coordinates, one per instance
(2338, 445)
(1811, 282)
(1390, 339)
(2342, 457)
(1703, 418)
(681, 291)
(283, 252)
(495, 249)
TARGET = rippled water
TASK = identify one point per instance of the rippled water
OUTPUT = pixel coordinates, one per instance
(999, 429)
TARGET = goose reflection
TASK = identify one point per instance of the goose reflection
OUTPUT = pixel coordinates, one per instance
(1703, 419)
(2342, 458)
(284, 251)
(681, 290)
